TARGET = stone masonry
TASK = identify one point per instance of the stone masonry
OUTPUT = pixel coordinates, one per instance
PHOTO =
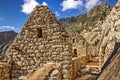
(41, 40)
(5, 68)
(110, 34)
(81, 47)
(78, 44)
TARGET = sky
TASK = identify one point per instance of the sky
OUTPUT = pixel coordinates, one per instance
(14, 13)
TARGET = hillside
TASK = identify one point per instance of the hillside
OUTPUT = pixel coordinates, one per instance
(87, 21)
(6, 39)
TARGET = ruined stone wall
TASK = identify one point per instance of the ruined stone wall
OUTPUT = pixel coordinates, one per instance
(75, 67)
(41, 40)
(78, 44)
(80, 47)
(110, 34)
(5, 68)
(91, 52)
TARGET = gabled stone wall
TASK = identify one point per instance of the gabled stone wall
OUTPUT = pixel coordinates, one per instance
(41, 40)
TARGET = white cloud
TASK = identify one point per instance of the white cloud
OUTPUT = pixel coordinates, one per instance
(6, 27)
(57, 14)
(44, 3)
(71, 4)
(79, 4)
(91, 3)
(28, 6)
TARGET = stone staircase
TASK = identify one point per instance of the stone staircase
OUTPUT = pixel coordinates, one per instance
(90, 72)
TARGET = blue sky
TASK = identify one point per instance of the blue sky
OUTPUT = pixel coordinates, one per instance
(14, 13)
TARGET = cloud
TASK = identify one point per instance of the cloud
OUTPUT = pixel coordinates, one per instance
(57, 14)
(71, 4)
(28, 6)
(44, 3)
(7, 27)
(79, 4)
(91, 3)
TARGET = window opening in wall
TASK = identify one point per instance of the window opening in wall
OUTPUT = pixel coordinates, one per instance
(75, 52)
(39, 33)
(73, 40)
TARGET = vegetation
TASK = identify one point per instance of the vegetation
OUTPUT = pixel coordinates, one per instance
(84, 21)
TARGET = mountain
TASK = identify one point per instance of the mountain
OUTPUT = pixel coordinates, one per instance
(6, 39)
(87, 21)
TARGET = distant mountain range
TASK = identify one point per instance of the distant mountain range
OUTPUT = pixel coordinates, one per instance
(6, 39)
(85, 21)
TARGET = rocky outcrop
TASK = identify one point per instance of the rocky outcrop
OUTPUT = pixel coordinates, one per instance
(112, 70)
(110, 34)
(103, 8)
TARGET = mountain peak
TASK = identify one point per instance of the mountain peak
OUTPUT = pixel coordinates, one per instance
(104, 4)
(103, 7)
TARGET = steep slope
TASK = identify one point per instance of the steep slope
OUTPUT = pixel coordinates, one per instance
(6, 39)
(87, 21)
(111, 71)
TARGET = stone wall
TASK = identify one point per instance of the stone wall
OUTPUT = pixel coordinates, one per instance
(75, 67)
(110, 34)
(41, 40)
(5, 68)
(78, 44)
(80, 47)
(56, 71)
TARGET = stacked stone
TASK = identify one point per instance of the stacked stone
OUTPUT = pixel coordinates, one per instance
(78, 43)
(38, 43)
(110, 33)
(5, 70)
(75, 67)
